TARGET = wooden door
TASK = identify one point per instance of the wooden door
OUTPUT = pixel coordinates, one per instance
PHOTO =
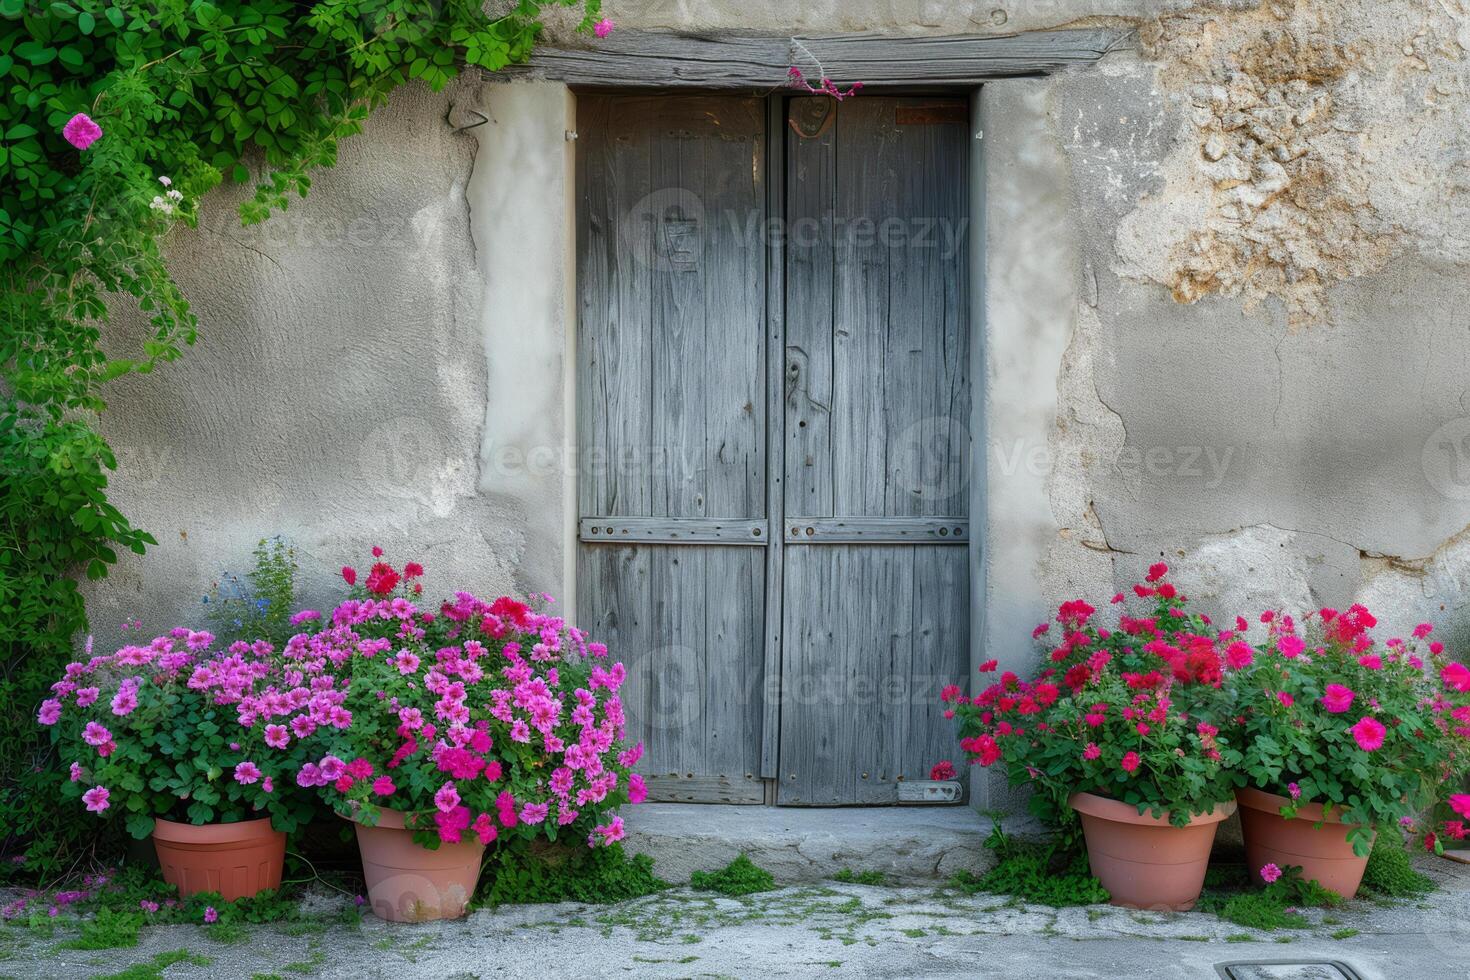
(773, 447)
(672, 421)
(876, 451)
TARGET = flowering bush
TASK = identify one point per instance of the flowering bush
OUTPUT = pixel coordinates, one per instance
(174, 729)
(1130, 713)
(481, 718)
(1370, 732)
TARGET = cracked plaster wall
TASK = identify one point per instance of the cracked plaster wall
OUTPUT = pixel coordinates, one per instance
(1224, 324)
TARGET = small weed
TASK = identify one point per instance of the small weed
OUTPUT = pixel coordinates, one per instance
(739, 877)
(537, 872)
(915, 933)
(1389, 872)
(1240, 937)
(153, 969)
(1035, 874)
(109, 929)
(1345, 933)
(1193, 939)
(850, 877)
(227, 932)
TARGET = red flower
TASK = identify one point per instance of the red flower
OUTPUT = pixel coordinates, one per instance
(1130, 762)
(1157, 571)
(989, 666)
(507, 608)
(349, 574)
(382, 579)
(413, 570)
(377, 552)
(942, 770)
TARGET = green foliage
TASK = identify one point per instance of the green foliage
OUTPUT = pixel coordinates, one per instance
(532, 872)
(196, 92)
(259, 607)
(109, 929)
(739, 877)
(1230, 894)
(1045, 875)
(869, 877)
(54, 520)
(1389, 872)
(153, 969)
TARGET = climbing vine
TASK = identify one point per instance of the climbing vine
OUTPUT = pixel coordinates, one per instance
(118, 117)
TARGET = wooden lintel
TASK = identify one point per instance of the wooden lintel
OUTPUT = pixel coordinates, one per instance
(667, 60)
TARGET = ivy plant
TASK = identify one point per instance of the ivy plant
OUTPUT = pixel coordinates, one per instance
(186, 94)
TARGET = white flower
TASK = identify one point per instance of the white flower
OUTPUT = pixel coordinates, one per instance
(176, 195)
(165, 181)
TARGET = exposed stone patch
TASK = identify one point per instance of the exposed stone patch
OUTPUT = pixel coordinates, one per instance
(1318, 141)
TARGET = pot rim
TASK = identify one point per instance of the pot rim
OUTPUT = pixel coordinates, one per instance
(1259, 799)
(388, 819)
(213, 833)
(1092, 805)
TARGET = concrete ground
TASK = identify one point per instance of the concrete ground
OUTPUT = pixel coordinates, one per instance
(826, 929)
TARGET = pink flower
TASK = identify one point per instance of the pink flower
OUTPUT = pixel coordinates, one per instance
(447, 798)
(1368, 733)
(534, 812)
(80, 131)
(1130, 762)
(87, 696)
(1092, 751)
(383, 786)
(1290, 646)
(637, 789)
(125, 701)
(1460, 803)
(1337, 699)
(96, 799)
(1286, 699)
(943, 769)
(95, 734)
(1294, 790)
(268, 785)
(50, 712)
(1239, 656)
(76, 773)
(1270, 873)
(210, 915)
(246, 773)
(277, 737)
(1371, 661)
(1422, 630)
(1455, 676)
(603, 27)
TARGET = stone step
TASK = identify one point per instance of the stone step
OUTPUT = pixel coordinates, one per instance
(806, 844)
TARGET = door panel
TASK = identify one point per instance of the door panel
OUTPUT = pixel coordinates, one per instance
(704, 413)
(671, 405)
(876, 593)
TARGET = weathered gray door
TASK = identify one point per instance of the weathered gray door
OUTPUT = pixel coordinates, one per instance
(877, 407)
(672, 418)
(773, 449)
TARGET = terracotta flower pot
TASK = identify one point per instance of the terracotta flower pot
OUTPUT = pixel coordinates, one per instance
(1143, 861)
(1323, 853)
(409, 883)
(237, 860)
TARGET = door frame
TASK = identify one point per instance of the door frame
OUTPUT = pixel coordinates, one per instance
(776, 109)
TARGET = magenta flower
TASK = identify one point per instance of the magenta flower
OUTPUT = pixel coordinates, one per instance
(276, 736)
(96, 799)
(50, 712)
(246, 773)
(1294, 790)
(1270, 873)
(603, 27)
(447, 798)
(95, 734)
(210, 915)
(80, 131)
(383, 786)
(1337, 699)
(1369, 734)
